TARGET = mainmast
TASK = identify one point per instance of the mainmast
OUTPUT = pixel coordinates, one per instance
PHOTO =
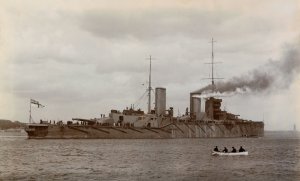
(149, 88)
(213, 86)
(212, 66)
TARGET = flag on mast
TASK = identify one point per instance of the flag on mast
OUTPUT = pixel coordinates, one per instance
(32, 101)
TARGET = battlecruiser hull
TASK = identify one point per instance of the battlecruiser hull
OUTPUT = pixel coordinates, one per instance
(199, 129)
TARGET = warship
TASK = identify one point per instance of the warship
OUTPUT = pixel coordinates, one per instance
(159, 122)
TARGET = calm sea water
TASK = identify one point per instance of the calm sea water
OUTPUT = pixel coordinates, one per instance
(273, 157)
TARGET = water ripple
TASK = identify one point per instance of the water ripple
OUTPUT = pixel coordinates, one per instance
(274, 157)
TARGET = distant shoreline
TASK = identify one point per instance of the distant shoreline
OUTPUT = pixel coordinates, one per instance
(8, 124)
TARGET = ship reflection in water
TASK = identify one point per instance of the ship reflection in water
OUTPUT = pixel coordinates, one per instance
(272, 157)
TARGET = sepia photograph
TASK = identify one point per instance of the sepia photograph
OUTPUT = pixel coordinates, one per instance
(150, 90)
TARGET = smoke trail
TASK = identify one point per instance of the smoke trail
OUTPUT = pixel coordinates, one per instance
(274, 74)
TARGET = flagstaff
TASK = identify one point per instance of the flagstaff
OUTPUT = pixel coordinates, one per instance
(32, 101)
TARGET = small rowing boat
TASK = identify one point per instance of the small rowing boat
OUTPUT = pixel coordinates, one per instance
(215, 153)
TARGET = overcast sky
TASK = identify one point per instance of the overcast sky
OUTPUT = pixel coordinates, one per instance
(83, 58)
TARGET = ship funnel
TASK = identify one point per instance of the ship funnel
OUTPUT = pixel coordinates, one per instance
(195, 106)
(160, 101)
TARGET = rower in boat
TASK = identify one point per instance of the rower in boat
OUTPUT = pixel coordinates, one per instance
(233, 150)
(216, 149)
(242, 149)
(225, 150)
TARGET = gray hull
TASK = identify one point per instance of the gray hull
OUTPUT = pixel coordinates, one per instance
(178, 130)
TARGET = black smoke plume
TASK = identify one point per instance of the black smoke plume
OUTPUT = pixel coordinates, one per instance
(273, 75)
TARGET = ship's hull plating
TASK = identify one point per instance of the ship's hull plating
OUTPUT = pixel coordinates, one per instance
(179, 130)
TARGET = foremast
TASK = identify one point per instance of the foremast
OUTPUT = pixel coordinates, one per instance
(149, 87)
